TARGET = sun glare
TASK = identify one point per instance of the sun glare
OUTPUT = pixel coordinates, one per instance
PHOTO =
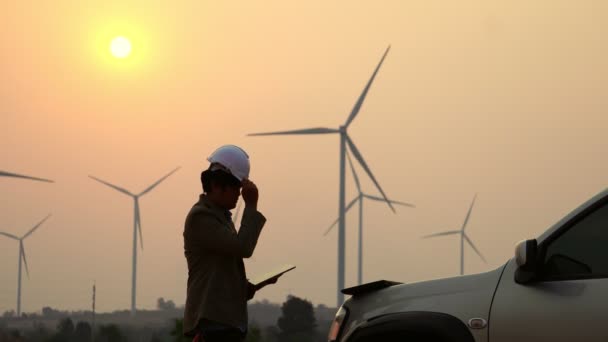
(120, 47)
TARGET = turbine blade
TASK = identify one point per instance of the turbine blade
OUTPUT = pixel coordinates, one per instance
(380, 199)
(466, 219)
(451, 232)
(474, 248)
(359, 158)
(36, 227)
(27, 270)
(9, 235)
(112, 186)
(346, 209)
(236, 214)
(331, 227)
(359, 103)
(138, 224)
(352, 168)
(15, 175)
(158, 182)
(317, 130)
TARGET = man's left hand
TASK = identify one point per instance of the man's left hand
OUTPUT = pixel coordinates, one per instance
(270, 281)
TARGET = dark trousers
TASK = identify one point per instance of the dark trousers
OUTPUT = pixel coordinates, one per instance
(210, 331)
(228, 335)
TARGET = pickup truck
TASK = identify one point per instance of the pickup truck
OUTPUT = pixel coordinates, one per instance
(555, 288)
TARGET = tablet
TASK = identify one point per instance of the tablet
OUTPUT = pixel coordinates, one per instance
(268, 275)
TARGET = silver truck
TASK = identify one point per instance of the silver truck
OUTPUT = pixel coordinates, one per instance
(555, 289)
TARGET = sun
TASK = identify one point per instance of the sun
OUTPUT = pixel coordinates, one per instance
(120, 47)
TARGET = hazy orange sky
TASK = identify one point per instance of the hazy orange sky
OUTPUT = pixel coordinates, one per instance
(504, 98)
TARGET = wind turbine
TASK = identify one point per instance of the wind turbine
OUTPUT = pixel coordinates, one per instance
(136, 226)
(14, 175)
(345, 141)
(22, 259)
(360, 198)
(235, 218)
(236, 213)
(463, 237)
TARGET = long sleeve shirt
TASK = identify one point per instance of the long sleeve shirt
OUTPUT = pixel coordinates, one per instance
(217, 283)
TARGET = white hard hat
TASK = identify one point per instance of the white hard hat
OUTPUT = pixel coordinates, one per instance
(233, 158)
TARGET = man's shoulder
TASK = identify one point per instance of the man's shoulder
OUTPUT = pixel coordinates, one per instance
(201, 210)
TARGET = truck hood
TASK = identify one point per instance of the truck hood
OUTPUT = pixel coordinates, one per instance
(463, 297)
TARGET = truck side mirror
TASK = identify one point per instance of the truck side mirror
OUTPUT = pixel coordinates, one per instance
(526, 258)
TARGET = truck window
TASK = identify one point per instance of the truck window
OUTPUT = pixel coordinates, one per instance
(581, 252)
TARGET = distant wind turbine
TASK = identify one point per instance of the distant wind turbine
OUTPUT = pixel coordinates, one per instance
(360, 199)
(23, 259)
(236, 213)
(463, 237)
(15, 175)
(235, 218)
(344, 141)
(136, 227)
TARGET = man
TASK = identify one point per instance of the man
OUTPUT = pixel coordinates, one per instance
(218, 290)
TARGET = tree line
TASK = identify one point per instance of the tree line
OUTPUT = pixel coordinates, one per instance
(296, 322)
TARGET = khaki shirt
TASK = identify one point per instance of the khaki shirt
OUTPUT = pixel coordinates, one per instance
(217, 283)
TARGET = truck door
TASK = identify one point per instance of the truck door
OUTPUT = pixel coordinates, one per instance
(568, 300)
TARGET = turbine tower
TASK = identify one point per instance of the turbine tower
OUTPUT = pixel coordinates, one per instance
(136, 227)
(93, 307)
(360, 198)
(463, 237)
(23, 259)
(235, 217)
(345, 141)
(15, 175)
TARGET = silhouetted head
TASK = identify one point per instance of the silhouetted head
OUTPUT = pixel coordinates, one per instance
(221, 187)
